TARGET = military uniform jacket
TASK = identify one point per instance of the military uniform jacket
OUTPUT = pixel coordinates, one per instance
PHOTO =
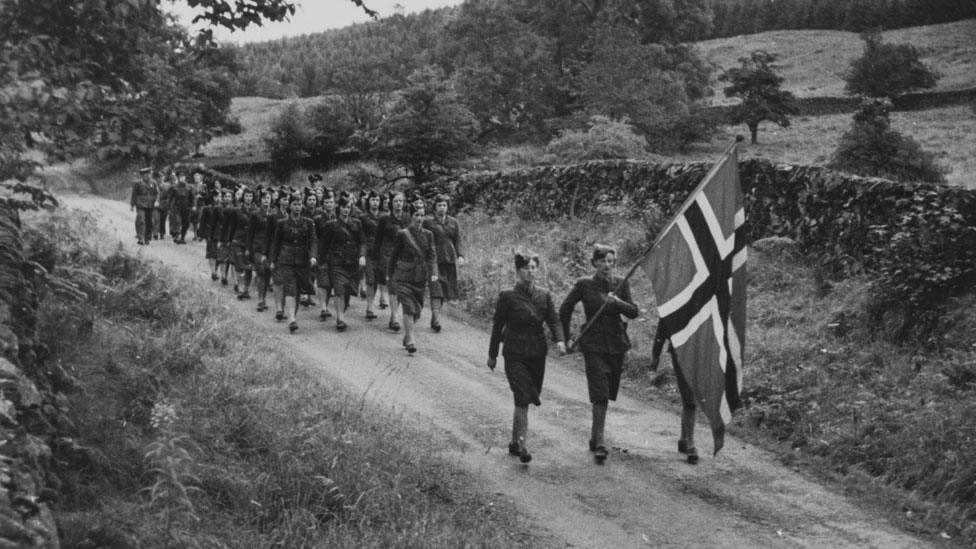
(413, 258)
(215, 223)
(181, 197)
(162, 199)
(143, 194)
(608, 334)
(260, 229)
(342, 243)
(237, 222)
(370, 224)
(447, 238)
(387, 228)
(519, 322)
(294, 242)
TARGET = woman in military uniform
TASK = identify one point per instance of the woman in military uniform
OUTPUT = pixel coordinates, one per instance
(386, 234)
(413, 262)
(518, 324)
(447, 241)
(605, 342)
(236, 227)
(259, 232)
(370, 222)
(293, 254)
(345, 252)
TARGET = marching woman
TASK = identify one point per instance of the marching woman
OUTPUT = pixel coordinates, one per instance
(277, 285)
(322, 216)
(236, 228)
(387, 228)
(345, 252)
(370, 222)
(605, 342)
(221, 218)
(447, 241)
(259, 233)
(208, 220)
(521, 315)
(293, 254)
(413, 262)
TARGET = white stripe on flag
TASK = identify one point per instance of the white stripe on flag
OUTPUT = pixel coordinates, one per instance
(701, 272)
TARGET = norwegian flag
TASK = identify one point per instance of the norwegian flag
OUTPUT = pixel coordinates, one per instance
(698, 268)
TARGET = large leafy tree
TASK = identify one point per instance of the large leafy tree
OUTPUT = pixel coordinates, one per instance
(756, 83)
(887, 70)
(110, 77)
(428, 130)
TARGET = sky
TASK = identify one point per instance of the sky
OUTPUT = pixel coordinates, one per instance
(311, 16)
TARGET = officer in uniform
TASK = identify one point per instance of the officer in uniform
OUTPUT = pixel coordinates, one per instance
(142, 201)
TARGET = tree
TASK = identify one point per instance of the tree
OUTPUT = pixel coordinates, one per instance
(872, 148)
(428, 129)
(605, 139)
(331, 130)
(759, 87)
(887, 70)
(287, 141)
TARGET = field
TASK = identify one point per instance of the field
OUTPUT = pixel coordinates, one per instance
(812, 62)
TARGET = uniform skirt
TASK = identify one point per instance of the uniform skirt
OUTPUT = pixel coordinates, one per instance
(374, 275)
(344, 279)
(603, 375)
(525, 377)
(240, 257)
(410, 296)
(295, 279)
(211, 249)
(447, 282)
(322, 277)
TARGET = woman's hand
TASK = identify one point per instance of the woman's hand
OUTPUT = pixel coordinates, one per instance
(562, 347)
(460, 261)
(313, 262)
(491, 362)
(433, 278)
(362, 261)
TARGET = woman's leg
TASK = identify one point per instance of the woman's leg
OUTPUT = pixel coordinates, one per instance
(435, 306)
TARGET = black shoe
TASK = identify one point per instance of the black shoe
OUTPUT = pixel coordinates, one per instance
(394, 325)
(600, 454)
(411, 348)
(279, 316)
(362, 294)
(292, 326)
(341, 326)
(141, 243)
(213, 276)
(237, 289)
(692, 455)
(244, 295)
(383, 305)
(223, 281)
(436, 327)
(325, 315)
(262, 306)
(370, 315)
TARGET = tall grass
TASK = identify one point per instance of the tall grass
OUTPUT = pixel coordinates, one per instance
(819, 389)
(188, 429)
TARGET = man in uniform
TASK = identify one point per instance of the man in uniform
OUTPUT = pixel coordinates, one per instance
(142, 201)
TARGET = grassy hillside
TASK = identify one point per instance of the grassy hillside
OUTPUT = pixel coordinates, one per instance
(255, 114)
(813, 61)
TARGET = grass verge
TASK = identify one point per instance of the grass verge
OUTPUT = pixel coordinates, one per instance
(188, 429)
(823, 390)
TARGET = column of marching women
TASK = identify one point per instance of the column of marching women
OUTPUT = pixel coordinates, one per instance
(302, 249)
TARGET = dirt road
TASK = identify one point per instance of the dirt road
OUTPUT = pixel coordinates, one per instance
(645, 496)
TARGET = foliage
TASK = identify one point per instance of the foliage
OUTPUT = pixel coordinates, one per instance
(502, 68)
(887, 70)
(872, 148)
(605, 139)
(287, 140)
(331, 130)
(756, 83)
(427, 130)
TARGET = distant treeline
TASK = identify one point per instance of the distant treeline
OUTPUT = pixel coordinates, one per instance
(386, 51)
(735, 17)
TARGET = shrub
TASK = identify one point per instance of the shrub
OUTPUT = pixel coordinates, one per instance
(287, 141)
(331, 130)
(606, 139)
(872, 148)
(887, 70)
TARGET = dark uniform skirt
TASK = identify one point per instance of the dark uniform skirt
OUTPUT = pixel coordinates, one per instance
(296, 279)
(344, 279)
(446, 287)
(411, 297)
(211, 249)
(321, 276)
(603, 375)
(240, 257)
(374, 275)
(525, 378)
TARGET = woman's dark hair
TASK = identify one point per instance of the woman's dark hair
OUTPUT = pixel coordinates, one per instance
(343, 201)
(600, 251)
(442, 198)
(524, 258)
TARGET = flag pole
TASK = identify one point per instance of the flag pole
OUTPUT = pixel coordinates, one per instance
(572, 347)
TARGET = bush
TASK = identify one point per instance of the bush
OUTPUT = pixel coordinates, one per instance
(887, 70)
(871, 148)
(606, 139)
(331, 130)
(287, 141)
